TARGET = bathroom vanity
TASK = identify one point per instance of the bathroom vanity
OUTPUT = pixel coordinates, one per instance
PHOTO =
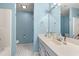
(52, 47)
(44, 50)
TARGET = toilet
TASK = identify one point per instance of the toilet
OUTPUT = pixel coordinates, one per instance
(17, 41)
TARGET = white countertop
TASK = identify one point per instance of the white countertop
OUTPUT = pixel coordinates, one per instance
(60, 49)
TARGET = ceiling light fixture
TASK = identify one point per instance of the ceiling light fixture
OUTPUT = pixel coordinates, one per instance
(24, 7)
(54, 3)
(59, 4)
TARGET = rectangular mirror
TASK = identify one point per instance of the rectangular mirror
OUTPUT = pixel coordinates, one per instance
(70, 19)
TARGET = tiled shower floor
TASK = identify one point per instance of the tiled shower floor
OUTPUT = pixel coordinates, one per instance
(24, 50)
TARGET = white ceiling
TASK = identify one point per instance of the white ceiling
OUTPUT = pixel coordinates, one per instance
(65, 7)
(28, 5)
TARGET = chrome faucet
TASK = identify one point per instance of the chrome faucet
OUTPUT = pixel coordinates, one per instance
(64, 39)
(59, 39)
(48, 34)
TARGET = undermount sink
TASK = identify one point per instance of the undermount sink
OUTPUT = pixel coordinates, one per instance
(57, 42)
(56, 39)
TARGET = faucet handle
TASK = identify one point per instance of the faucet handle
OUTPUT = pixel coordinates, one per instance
(65, 40)
(66, 34)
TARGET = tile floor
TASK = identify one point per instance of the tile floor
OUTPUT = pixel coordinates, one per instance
(25, 50)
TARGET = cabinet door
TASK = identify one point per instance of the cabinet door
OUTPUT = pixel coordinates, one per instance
(41, 50)
(47, 54)
(44, 50)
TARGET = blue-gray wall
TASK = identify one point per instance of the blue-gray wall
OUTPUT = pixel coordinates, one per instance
(74, 12)
(41, 24)
(40, 16)
(11, 6)
(55, 20)
(24, 27)
(64, 25)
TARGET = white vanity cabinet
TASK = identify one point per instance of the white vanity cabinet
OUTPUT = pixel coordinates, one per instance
(48, 47)
(44, 50)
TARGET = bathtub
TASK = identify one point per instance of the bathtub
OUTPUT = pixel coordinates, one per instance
(5, 51)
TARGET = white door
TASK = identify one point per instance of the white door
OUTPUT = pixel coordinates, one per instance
(5, 29)
(76, 25)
